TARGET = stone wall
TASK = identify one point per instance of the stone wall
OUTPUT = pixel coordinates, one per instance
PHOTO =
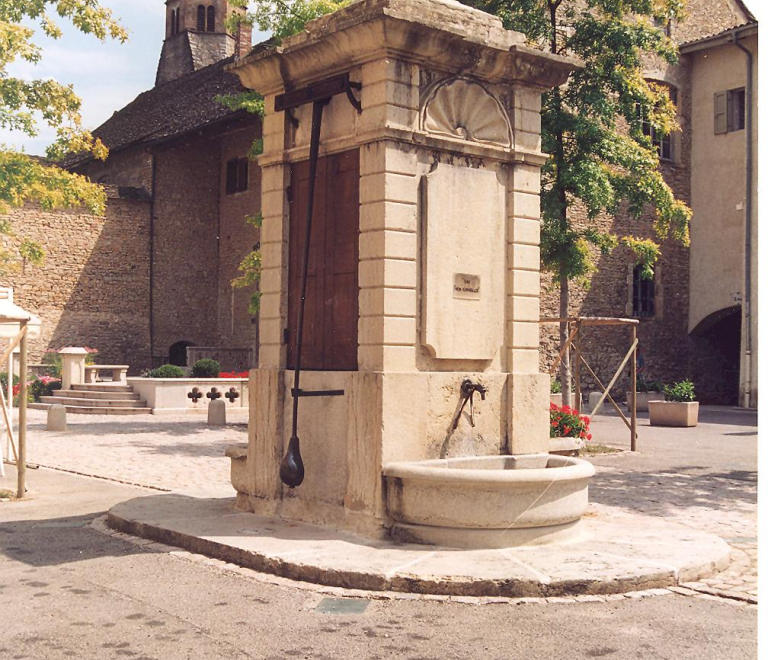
(237, 328)
(186, 231)
(94, 287)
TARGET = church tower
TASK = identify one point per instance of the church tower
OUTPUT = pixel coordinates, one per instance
(196, 36)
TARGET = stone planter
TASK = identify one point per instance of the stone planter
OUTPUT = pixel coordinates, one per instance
(557, 399)
(644, 397)
(674, 413)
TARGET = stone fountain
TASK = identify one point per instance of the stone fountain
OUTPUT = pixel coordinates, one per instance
(423, 413)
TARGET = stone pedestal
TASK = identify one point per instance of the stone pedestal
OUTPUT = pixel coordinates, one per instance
(448, 267)
(72, 367)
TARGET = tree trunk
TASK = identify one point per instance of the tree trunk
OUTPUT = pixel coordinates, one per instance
(565, 365)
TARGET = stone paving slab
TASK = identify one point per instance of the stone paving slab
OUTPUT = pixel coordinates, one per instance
(620, 552)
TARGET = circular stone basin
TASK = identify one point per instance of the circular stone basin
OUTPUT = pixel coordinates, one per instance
(488, 501)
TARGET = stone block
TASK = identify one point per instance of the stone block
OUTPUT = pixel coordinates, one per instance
(524, 205)
(524, 230)
(524, 361)
(57, 418)
(524, 257)
(387, 273)
(389, 187)
(528, 413)
(526, 178)
(388, 302)
(523, 283)
(524, 334)
(523, 308)
(388, 244)
(217, 413)
(388, 215)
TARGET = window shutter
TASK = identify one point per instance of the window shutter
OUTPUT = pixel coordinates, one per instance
(721, 112)
(231, 177)
(242, 174)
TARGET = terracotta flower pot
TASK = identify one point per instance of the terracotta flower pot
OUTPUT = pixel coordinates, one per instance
(674, 413)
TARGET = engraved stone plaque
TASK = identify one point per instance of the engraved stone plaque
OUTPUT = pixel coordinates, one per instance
(466, 287)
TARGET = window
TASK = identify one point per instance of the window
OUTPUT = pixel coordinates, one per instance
(730, 111)
(211, 19)
(663, 143)
(237, 175)
(201, 18)
(643, 295)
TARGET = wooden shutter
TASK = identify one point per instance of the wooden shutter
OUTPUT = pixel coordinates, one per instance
(331, 310)
(231, 177)
(721, 112)
(242, 174)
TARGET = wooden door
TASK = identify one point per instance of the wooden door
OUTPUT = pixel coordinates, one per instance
(331, 311)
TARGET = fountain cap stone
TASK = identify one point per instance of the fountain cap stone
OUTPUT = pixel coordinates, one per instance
(73, 350)
(443, 33)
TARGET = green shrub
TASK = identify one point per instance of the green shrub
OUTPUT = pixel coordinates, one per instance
(206, 368)
(644, 385)
(166, 371)
(681, 392)
(555, 387)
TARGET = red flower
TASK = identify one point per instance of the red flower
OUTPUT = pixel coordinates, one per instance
(589, 436)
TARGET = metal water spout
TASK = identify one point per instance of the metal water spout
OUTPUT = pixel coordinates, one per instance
(468, 390)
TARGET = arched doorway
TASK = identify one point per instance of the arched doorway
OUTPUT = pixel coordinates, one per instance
(178, 353)
(716, 351)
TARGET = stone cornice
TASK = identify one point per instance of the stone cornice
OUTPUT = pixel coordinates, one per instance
(442, 33)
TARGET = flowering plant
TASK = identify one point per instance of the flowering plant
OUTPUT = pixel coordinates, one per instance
(233, 374)
(565, 422)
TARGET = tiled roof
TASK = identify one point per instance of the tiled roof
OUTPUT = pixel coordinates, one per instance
(707, 18)
(173, 108)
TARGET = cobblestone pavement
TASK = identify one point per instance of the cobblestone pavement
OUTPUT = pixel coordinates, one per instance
(161, 452)
(705, 478)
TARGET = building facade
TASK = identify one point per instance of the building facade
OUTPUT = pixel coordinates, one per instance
(180, 158)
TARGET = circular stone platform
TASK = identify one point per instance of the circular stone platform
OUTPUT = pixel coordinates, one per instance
(620, 552)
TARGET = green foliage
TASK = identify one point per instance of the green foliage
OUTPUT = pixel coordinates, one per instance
(646, 253)
(24, 101)
(4, 381)
(281, 18)
(682, 391)
(555, 387)
(250, 267)
(52, 360)
(593, 127)
(206, 368)
(166, 371)
(249, 101)
(644, 385)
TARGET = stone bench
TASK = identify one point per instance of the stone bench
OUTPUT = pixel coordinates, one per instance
(119, 372)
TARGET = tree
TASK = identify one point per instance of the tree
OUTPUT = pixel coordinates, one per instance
(24, 102)
(596, 131)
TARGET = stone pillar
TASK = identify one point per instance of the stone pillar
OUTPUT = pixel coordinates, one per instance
(72, 367)
(448, 275)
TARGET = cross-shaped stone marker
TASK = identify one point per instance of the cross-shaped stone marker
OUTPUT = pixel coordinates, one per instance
(195, 395)
(232, 395)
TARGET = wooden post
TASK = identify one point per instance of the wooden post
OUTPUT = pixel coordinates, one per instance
(21, 463)
(633, 390)
(577, 367)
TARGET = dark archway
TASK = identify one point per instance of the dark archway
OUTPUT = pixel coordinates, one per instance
(178, 353)
(715, 357)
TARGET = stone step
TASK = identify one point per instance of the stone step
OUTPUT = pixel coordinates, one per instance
(94, 403)
(90, 394)
(101, 387)
(90, 410)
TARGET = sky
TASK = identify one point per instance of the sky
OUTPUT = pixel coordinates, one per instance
(109, 75)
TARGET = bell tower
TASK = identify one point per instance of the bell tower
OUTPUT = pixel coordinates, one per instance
(196, 36)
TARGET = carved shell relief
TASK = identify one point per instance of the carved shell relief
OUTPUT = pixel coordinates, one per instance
(464, 109)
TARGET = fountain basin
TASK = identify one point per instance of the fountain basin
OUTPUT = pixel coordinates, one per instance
(488, 501)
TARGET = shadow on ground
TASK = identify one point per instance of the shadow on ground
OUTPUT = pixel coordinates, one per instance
(667, 491)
